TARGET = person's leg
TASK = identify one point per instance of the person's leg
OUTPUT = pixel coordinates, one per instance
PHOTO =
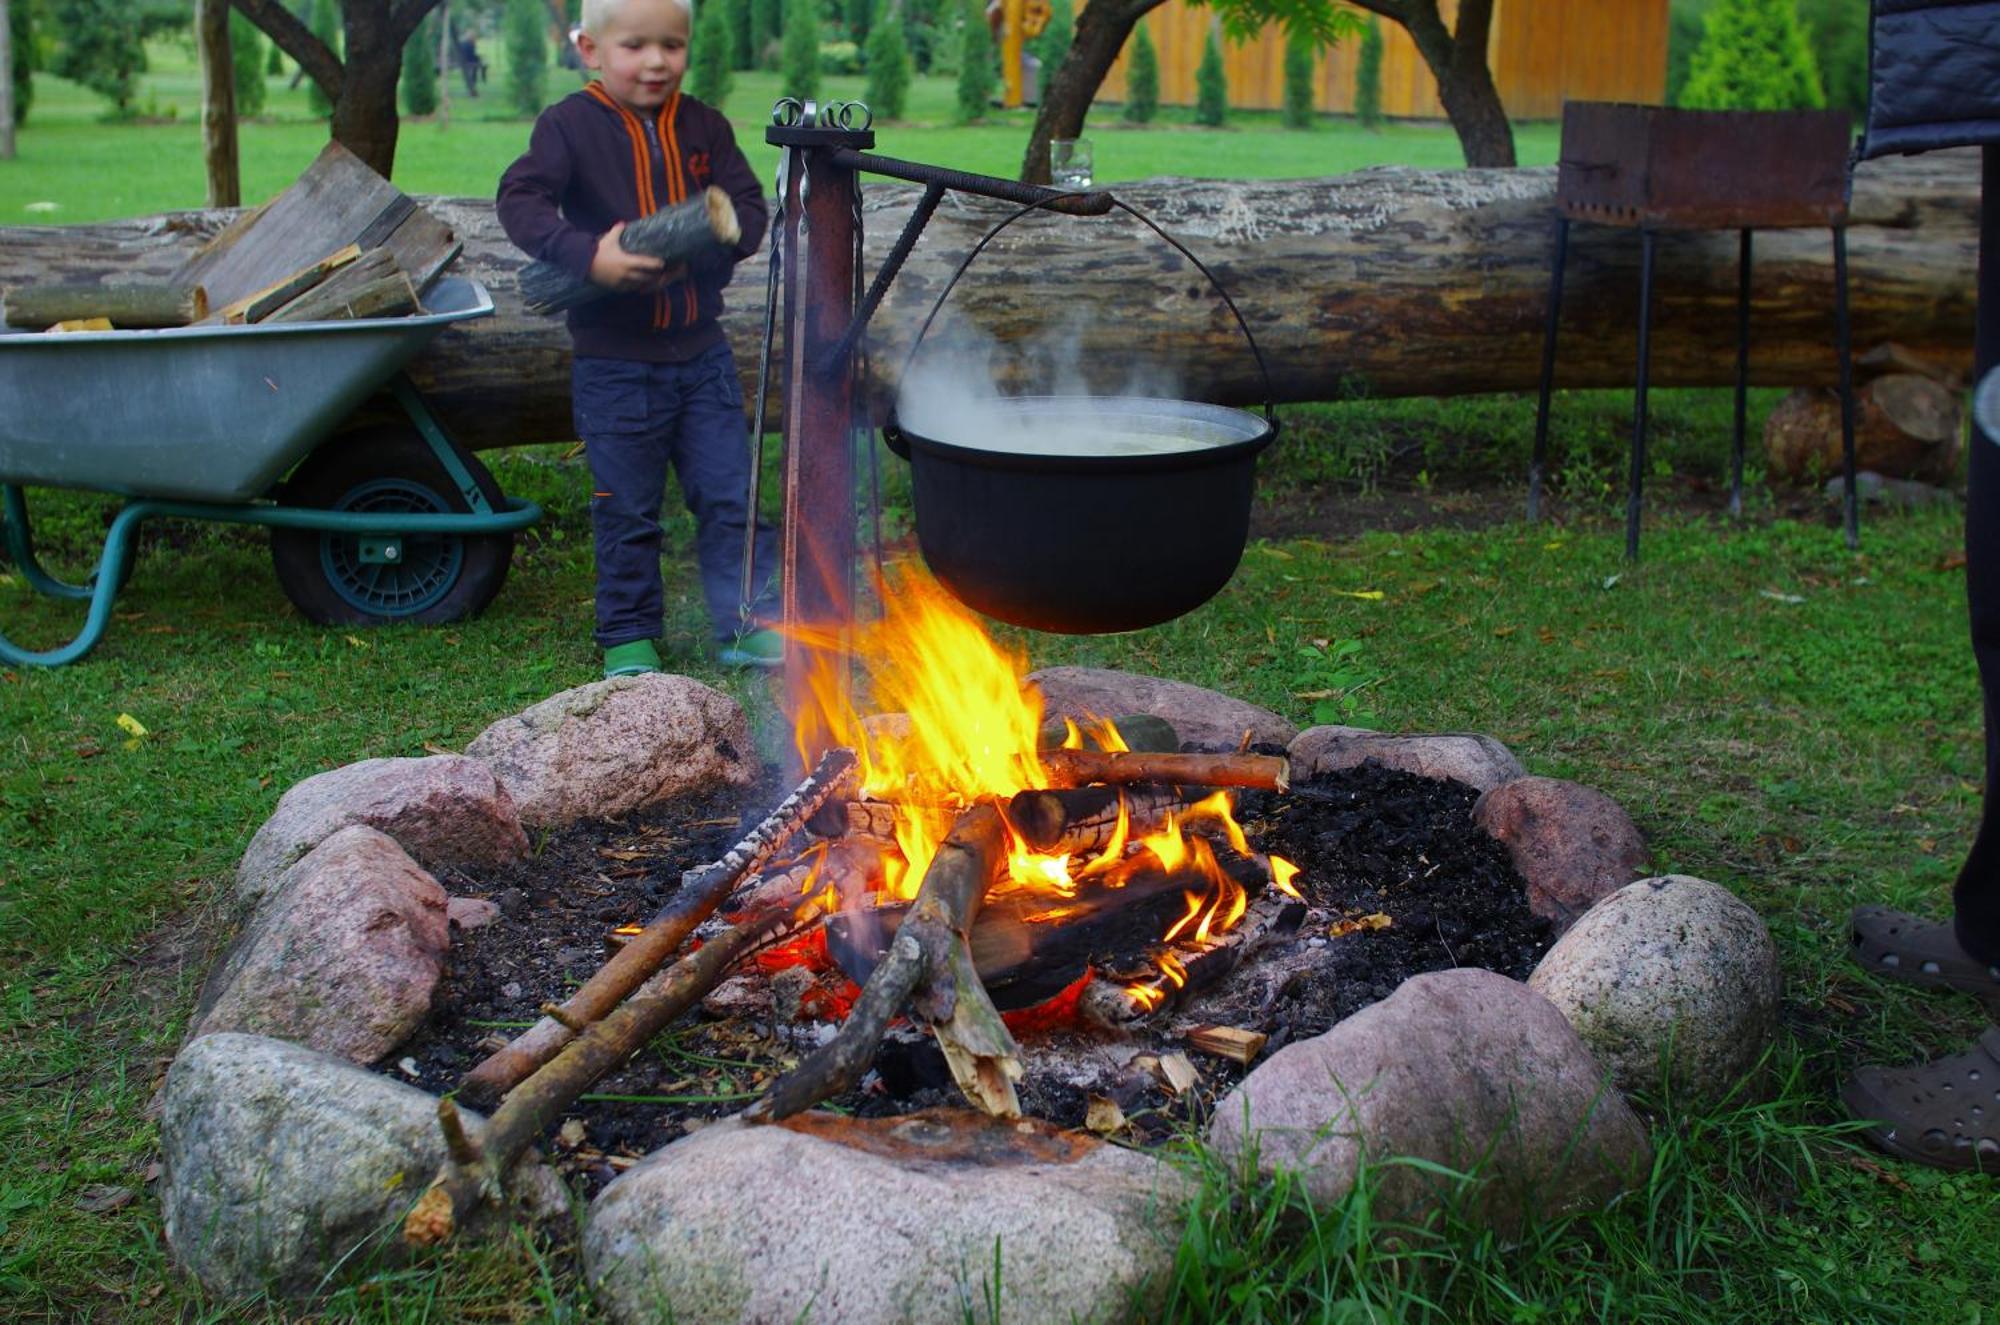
(712, 459)
(628, 467)
(1976, 898)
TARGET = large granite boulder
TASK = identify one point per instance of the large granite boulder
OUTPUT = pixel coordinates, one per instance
(285, 1169)
(445, 810)
(343, 955)
(1573, 844)
(903, 1219)
(610, 747)
(1673, 982)
(1480, 762)
(1202, 718)
(1463, 1068)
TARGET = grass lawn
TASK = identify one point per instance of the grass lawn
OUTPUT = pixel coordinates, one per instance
(1792, 720)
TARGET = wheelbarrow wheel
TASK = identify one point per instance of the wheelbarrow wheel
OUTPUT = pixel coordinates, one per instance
(338, 579)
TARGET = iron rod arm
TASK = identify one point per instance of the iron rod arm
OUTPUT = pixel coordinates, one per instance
(986, 186)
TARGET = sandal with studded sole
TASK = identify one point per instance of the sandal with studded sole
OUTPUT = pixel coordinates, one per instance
(1922, 952)
(1944, 1114)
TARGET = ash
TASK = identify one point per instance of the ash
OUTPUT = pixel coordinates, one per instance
(1396, 880)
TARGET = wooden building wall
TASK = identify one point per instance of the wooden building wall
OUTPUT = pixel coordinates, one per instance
(1541, 53)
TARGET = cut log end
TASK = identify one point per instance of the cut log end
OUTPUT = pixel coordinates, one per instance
(430, 1222)
(722, 217)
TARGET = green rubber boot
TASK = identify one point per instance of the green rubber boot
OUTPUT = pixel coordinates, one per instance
(631, 658)
(759, 648)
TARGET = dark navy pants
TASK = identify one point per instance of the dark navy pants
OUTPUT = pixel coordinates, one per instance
(636, 419)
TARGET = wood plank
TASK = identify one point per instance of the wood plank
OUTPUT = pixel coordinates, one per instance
(371, 286)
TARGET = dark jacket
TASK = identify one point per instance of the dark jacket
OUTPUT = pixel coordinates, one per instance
(582, 173)
(1933, 75)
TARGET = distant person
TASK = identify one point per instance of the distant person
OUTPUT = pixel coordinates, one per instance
(654, 383)
(470, 64)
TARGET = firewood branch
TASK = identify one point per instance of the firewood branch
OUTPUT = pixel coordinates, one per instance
(929, 968)
(702, 891)
(1076, 768)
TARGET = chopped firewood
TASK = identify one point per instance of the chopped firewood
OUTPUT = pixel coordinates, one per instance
(371, 286)
(1076, 768)
(848, 868)
(675, 235)
(259, 304)
(472, 1176)
(870, 819)
(928, 966)
(1231, 1042)
(79, 324)
(126, 305)
(1087, 818)
(1177, 1074)
(702, 891)
(1103, 1116)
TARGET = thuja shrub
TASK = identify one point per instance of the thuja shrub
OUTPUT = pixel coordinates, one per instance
(1057, 36)
(527, 56)
(799, 62)
(977, 76)
(1753, 56)
(1142, 79)
(767, 18)
(711, 54)
(324, 20)
(418, 81)
(1368, 77)
(1211, 86)
(246, 65)
(889, 70)
(1299, 53)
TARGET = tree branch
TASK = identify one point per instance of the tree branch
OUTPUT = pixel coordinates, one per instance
(296, 40)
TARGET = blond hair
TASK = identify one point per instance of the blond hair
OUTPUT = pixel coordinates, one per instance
(596, 13)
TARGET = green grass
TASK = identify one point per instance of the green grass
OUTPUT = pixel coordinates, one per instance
(1808, 754)
(69, 158)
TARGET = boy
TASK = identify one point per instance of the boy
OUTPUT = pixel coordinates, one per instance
(654, 382)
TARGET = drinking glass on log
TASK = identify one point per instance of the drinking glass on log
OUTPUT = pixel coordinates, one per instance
(1070, 163)
(673, 234)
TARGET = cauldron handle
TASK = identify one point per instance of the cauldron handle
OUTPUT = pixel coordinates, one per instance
(893, 435)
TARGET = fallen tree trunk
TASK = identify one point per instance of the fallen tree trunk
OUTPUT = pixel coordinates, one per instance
(1386, 282)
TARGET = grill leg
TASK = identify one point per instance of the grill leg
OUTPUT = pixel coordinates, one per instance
(1843, 345)
(1742, 370)
(1635, 486)
(1553, 321)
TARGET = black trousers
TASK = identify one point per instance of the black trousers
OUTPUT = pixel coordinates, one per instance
(1976, 897)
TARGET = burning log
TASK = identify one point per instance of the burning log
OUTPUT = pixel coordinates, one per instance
(1406, 282)
(702, 891)
(1076, 768)
(929, 967)
(1087, 818)
(476, 1165)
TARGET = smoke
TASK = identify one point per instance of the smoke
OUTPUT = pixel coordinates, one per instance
(961, 383)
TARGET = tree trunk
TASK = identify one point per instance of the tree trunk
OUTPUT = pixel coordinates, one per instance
(1386, 282)
(1457, 60)
(1101, 31)
(218, 104)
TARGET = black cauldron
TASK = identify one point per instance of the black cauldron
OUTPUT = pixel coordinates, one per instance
(1083, 515)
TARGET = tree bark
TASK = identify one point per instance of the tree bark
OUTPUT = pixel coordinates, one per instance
(1101, 30)
(1457, 60)
(1385, 283)
(218, 104)
(362, 87)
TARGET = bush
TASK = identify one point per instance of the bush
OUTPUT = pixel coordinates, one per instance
(1368, 77)
(742, 46)
(275, 64)
(709, 74)
(1684, 24)
(977, 76)
(799, 64)
(840, 58)
(324, 20)
(21, 28)
(246, 65)
(766, 21)
(1142, 79)
(888, 65)
(527, 56)
(1753, 56)
(856, 17)
(419, 79)
(1057, 36)
(1211, 85)
(100, 48)
(1837, 30)
(924, 33)
(1299, 53)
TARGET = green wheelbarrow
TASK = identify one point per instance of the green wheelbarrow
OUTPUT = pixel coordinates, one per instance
(371, 522)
